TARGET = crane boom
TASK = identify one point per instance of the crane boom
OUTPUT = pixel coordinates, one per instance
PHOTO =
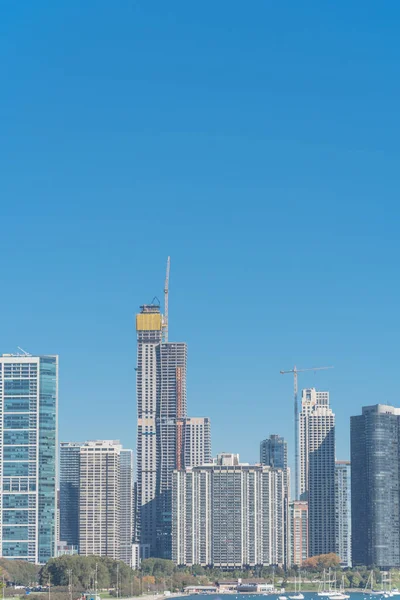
(295, 372)
(166, 290)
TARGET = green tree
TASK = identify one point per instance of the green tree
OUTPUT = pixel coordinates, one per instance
(86, 571)
(198, 570)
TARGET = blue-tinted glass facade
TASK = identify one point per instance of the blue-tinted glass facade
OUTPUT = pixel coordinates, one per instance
(28, 453)
(69, 492)
(375, 487)
(273, 452)
(47, 457)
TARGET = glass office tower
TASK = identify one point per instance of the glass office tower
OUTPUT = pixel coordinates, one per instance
(69, 492)
(375, 486)
(28, 456)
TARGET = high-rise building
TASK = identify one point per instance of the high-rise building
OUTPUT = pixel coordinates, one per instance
(317, 469)
(273, 452)
(69, 493)
(126, 505)
(99, 499)
(228, 515)
(148, 385)
(162, 432)
(196, 442)
(172, 411)
(58, 518)
(28, 456)
(73, 480)
(375, 486)
(343, 511)
(298, 532)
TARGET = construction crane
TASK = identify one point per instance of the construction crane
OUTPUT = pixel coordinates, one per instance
(295, 371)
(166, 289)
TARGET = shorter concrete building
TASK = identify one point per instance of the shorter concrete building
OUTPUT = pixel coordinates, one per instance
(200, 589)
(64, 549)
(298, 532)
(255, 587)
(227, 459)
(99, 499)
(227, 585)
(228, 515)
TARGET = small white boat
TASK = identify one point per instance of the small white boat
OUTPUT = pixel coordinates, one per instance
(282, 598)
(327, 591)
(341, 594)
(297, 593)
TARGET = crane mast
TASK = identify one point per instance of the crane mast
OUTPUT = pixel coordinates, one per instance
(295, 372)
(166, 290)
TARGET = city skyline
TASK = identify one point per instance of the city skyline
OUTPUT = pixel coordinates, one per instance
(254, 149)
(289, 439)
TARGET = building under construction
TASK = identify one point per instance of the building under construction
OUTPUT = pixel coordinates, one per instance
(162, 425)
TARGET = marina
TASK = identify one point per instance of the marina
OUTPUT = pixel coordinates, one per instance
(352, 595)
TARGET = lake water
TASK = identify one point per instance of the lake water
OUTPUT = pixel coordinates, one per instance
(307, 596)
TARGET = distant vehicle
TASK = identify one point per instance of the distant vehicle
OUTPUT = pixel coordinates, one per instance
(91, 596)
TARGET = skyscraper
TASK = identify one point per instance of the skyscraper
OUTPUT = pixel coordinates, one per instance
(126, 505)
(69, 492)
(28, 456)
(375, 485)
(273, 452)
(228, 515)
(163, 430)
(172, 412)
(298, 519)
(99, 499)
(343, 511)
(148, 386)
(317, 469)
(161, 399)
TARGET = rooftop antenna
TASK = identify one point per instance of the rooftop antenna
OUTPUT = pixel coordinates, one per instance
(166, 289)
(295, 371)
(24, 352)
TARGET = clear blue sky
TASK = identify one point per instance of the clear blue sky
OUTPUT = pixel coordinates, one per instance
(257, 143)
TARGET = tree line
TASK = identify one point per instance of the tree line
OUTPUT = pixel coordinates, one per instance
(86, 573)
